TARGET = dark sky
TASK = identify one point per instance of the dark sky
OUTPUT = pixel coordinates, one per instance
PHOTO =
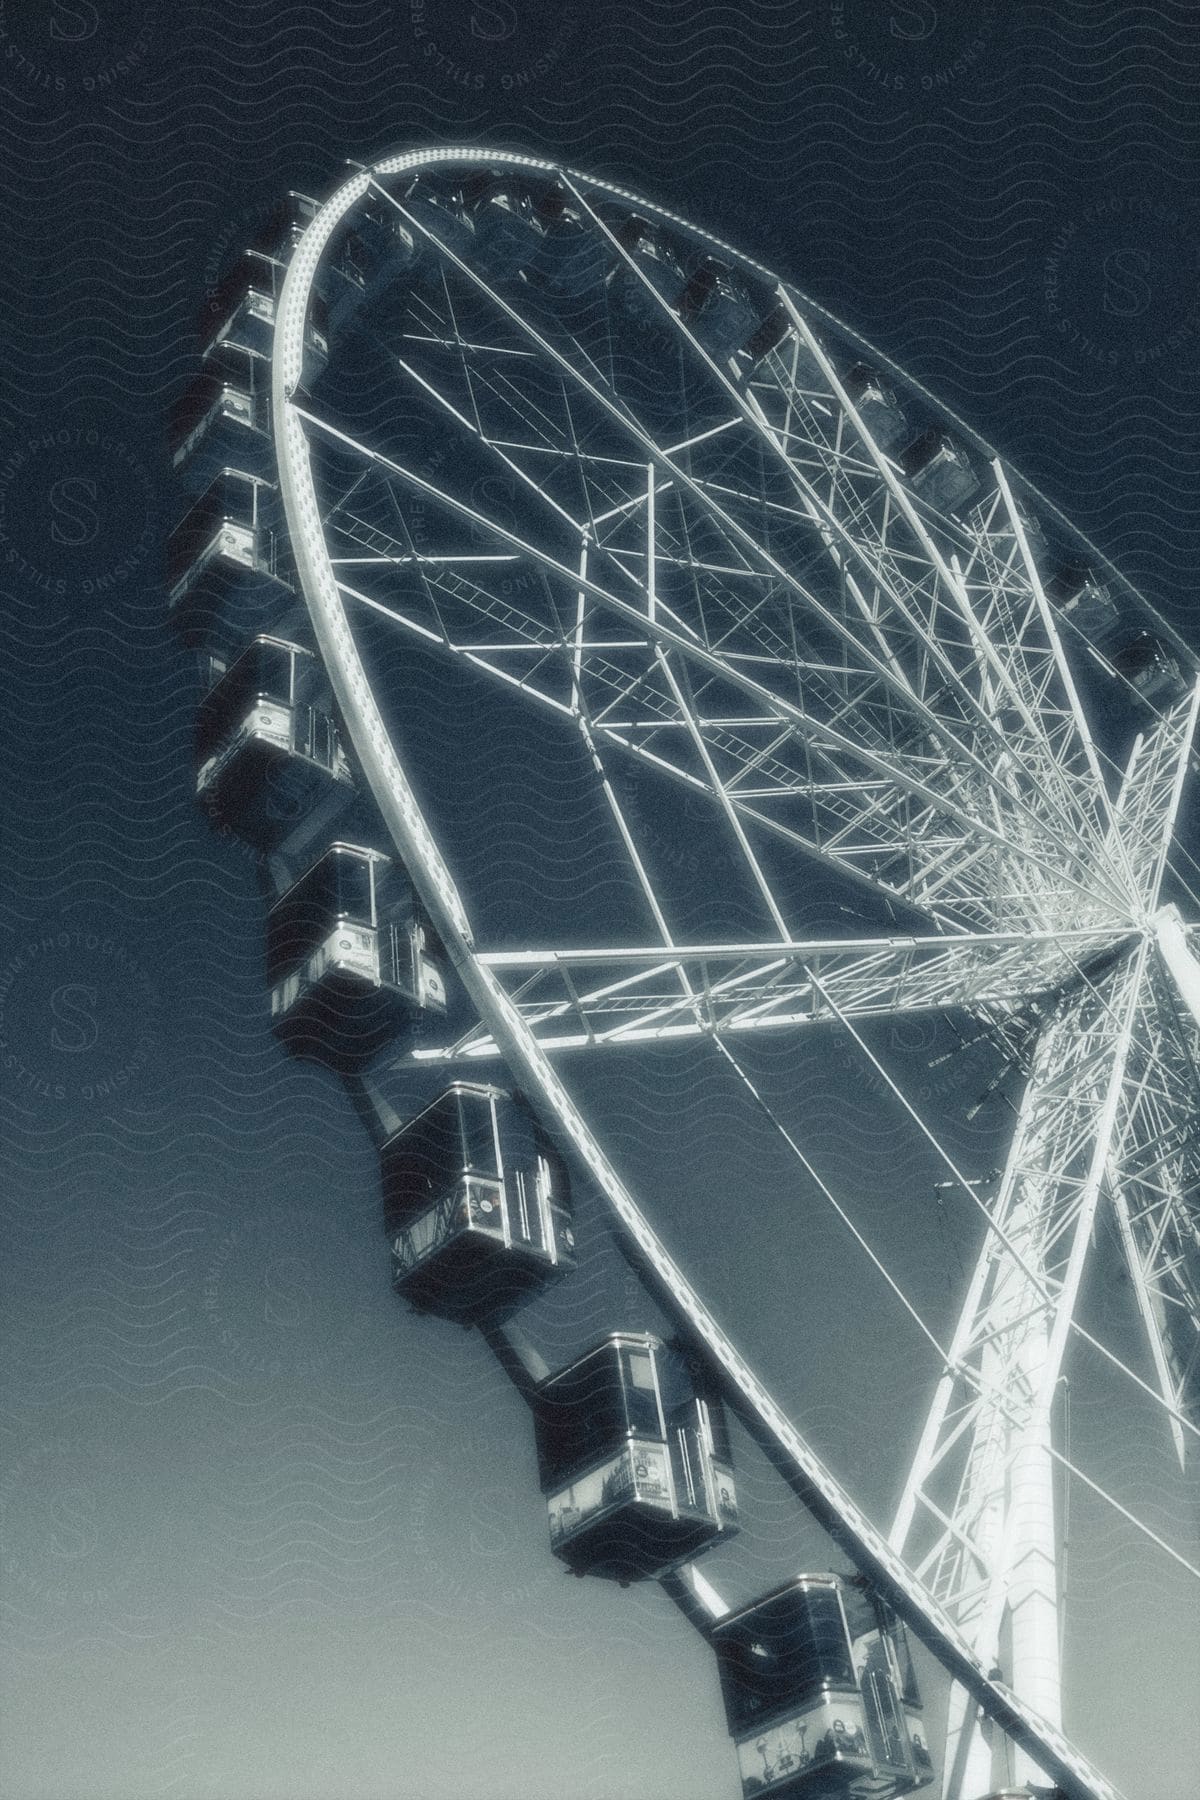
(262, 1532)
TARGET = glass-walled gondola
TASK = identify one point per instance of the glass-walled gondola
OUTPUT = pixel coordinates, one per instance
(228, 568)
(478, 1203)
(269, 758)
(223, 419)
(820, 1694)
(352, 963)
(634, 1458)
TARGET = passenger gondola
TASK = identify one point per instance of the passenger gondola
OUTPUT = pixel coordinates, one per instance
(820, 1694)
(351, 962)
(573, 259)
(1085, 601)
(228, 567)
(478, 1204)
(939, 470)
(508, 232)
(716, 309)
(284, 225)
(634, 1459)
(876, 406)
(364, 264)
(768, 334)
(442, 218)
(651, 283)
(269, 760)
(223, 419)
(1151, 669)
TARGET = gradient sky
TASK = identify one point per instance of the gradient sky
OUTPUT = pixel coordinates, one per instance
(263, 1532)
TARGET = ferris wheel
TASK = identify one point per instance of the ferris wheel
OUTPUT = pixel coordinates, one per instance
(642, 497)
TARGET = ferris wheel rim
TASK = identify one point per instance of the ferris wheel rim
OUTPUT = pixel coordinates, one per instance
(404, 820)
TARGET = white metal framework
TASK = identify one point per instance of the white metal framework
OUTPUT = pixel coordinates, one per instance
(715, 566)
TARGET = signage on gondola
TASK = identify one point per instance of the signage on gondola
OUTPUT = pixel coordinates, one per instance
(829, 1735)
(638, 1473)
